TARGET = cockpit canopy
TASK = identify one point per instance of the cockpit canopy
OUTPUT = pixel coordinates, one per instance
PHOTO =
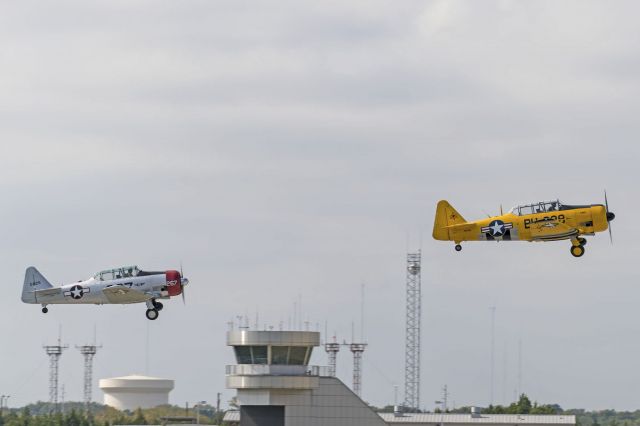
(534, 208)
(117, 273)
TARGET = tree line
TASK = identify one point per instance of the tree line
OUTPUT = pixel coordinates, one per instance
(75, 414)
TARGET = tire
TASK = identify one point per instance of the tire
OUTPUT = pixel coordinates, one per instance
(458, 247)
(158, 306)
(45, 310)
(152, 314)
(577, 251)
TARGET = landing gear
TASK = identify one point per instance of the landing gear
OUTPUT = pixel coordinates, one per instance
(582, 241)
(45, 309)
(153, 309)
(577, 251)
(458, 247)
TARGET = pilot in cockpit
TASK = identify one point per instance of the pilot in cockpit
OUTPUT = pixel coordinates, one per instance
(552, 207)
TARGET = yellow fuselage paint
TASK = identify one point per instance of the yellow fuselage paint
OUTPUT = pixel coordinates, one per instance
(547, 226)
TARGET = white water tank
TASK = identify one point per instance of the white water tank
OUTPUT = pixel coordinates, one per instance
(135, 391)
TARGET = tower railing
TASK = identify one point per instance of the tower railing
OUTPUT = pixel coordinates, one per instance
(276, 370)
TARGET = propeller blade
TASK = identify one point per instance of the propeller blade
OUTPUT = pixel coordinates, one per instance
(610, 233)
(184, 302)
(610, 216)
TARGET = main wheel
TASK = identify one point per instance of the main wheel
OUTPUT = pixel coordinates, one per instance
(45, 309)
(152, 314)
(458, 247)
(158, 306)
(582, 241)
(577, 251)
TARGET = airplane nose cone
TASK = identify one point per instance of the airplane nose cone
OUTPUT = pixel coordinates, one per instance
(610, 216)
(184, 281)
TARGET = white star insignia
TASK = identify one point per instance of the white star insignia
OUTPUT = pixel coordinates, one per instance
(497, 228)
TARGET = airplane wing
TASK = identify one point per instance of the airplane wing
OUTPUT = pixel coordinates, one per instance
(552, 230)
(120, 294)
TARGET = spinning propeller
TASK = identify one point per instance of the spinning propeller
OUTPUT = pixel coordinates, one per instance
(610, 215)
(182, 284)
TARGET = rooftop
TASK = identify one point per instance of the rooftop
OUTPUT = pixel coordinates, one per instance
(482, 418)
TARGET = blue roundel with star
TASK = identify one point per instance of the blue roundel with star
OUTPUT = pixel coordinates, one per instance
(77, 292)
(497, 228)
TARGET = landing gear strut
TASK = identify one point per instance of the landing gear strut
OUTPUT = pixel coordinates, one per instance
(458, 247)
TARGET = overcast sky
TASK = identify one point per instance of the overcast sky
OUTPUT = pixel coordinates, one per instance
(294, 150)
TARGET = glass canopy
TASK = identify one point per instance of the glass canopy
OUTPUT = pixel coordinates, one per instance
(117, 273)
(535, 208)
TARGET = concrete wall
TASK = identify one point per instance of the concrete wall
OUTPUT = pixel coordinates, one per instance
(330, 404)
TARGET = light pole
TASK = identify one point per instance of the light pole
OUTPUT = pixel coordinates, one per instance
(197, 406)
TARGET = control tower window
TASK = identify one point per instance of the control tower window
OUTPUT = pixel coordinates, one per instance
(243, 354)
(279, 355)
(298, 355)
(260, 354)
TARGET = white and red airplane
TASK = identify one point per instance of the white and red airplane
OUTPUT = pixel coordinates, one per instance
(120, 285)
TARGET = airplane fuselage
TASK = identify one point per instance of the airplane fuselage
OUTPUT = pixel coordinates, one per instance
(91, 291)
(542, 221)
(546, 226)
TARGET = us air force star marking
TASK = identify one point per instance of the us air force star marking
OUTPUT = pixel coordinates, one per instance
(77, 291)
(497, 228)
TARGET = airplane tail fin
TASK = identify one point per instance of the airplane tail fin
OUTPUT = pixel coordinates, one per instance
(446, 215)
(33, 280)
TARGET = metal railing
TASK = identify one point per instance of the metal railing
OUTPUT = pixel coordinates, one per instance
(276, 370)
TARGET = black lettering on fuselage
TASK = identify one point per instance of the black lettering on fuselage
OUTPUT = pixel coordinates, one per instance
(528, 222)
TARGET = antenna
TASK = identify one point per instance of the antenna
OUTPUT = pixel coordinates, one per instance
(505, 359)
(332, 349)
(54, 352)
(492, 367)
(88, 351)
(146, 352)
(362, 313)
(412, 328)
(445, 398)
(357, 349)
(519, 369)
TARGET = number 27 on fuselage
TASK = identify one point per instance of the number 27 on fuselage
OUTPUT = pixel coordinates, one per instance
(543, 221)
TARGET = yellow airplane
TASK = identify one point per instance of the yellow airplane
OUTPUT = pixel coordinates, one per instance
(543, 221)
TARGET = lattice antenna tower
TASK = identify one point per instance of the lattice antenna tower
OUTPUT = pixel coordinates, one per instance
(88, 351)
(332, 349)
(54, 352)
(412, 328)
(357, 349)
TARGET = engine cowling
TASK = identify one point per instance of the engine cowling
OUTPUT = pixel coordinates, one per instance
(174, 282)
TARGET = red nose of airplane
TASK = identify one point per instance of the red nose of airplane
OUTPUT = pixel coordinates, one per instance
(174, 283)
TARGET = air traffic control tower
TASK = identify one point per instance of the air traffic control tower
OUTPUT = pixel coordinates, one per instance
(277, 387)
